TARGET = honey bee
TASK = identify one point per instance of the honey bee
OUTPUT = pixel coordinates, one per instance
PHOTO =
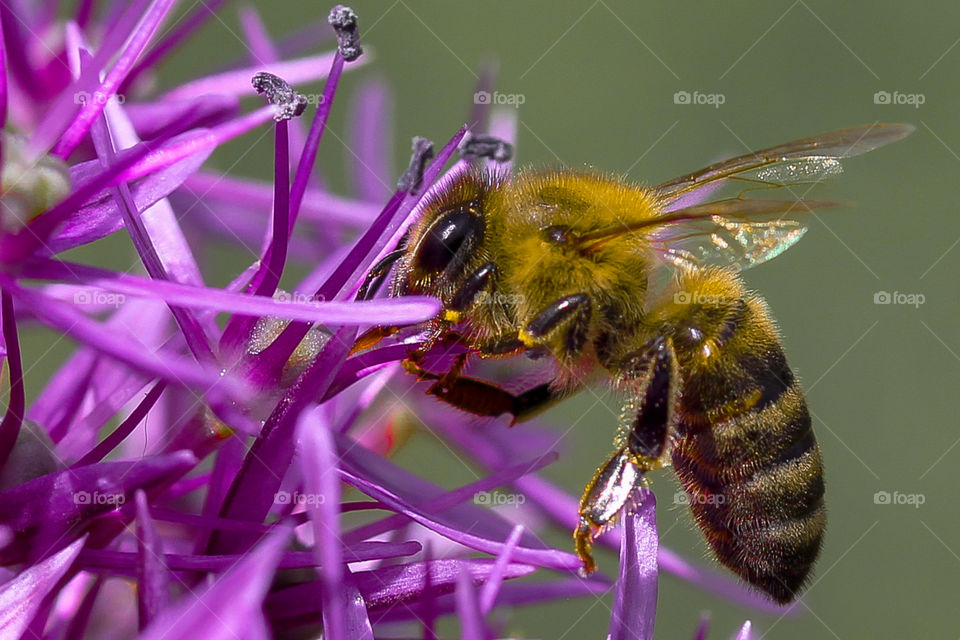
(640, 286)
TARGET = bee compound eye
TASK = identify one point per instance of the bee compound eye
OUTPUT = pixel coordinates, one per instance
(445, 239)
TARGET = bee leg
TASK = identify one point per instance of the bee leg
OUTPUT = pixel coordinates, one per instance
(470, 292)
(486, 399)
(483, 398)
(377, 275)
(609, 491)
(371, 337)
(653, 382)
(645, 429)
(570, 312)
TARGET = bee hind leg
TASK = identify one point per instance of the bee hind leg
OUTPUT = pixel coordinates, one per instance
(650, 376)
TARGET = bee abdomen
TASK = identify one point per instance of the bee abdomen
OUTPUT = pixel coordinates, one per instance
(746, 455)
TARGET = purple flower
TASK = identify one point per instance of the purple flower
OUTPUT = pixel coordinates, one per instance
(205, 443)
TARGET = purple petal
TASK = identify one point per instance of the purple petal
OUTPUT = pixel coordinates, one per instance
(3, 86)
(562, 507)
(253, 491)
(153, 579)
(176, 116)
(388, 588)
(168, 366)
(16, 404)
(318, 465)
(635, 603)
(160, 223)
(229, 460)
(703, 628)
(231, 607)
(746, 631)
(317, 127)
(256, 36)
(77, 628)
(472, 624)
(237, 82)
(57, 407)
(488, 595)
(430, 502)
(54, 509)
(466, 524)
(125, 562)
(22, 596)
(371, 136)
(118, 435)
(91, 109)
(131, 164)
(406, 310)
(512, 595)
(318, 206)
(60, 115)
(185, 26)
(389, 585)
(183, 266)
(101, 217)
(192, 142)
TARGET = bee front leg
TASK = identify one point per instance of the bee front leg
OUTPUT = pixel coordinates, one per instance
(568, 317)
(376, 276)
(651, 378)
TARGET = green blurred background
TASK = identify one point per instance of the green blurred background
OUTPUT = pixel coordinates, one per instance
(598, 82)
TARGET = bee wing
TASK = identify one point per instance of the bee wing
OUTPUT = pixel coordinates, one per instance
(802, 161)
(735, 233)
(741, 232)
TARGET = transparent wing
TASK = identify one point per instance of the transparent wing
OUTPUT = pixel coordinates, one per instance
(741, 232)
(807, 160)
(734, 233)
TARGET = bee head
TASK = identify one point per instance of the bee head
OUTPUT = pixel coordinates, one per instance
(444, 243)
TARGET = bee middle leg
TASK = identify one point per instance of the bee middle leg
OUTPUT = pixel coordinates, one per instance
(651, 376)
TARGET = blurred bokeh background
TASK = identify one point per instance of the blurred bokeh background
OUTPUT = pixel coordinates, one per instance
(598, 83)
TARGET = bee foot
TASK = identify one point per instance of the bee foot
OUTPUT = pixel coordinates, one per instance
(583, 543)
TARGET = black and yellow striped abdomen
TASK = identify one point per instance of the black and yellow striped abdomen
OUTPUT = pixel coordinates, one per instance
(744, 449)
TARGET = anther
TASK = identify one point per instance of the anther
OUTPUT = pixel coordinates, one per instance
(485, 146)
(344, 22)
(279, 92)
(412, 178)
